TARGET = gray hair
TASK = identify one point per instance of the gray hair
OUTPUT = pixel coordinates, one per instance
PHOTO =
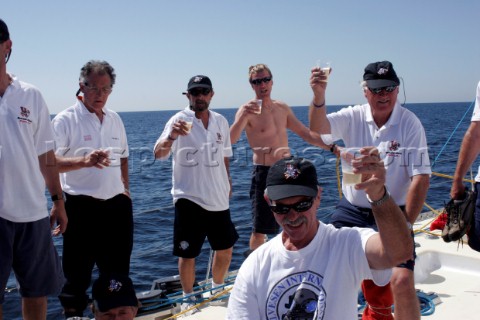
(97, 67)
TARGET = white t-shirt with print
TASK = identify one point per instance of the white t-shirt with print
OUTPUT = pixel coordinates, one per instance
(323, 278)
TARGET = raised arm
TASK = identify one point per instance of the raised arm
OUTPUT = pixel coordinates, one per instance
(241, 120)
(317, 113)
(393, 243)
(303, 132)
(164, 146)
(468, 153)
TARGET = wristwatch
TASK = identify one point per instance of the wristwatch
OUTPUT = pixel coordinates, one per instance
(57, 197)
(380, 201)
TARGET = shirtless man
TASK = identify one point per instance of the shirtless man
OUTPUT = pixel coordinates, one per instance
(267, 135)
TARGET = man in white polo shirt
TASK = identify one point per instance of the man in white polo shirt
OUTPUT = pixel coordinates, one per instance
(201, 184)
(399, 136)
(92, 154)
(27, 164)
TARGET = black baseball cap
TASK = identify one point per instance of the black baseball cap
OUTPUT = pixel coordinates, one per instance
(113, 291)
(290, 177)
(380, 74)
(4, 34)
(199, 81)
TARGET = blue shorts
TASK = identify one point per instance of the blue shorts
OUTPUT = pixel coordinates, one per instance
(263, 219)
(348, 215)
(193, 224)
(28, 249)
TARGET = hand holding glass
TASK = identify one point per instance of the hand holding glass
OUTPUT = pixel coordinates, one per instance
(189, 121)
(325, 67)
(259, 103)
(346, 156)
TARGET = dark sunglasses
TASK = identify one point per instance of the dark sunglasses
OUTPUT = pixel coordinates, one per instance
(198, 91)
(300, 206)
(259, 81)
(378, 90)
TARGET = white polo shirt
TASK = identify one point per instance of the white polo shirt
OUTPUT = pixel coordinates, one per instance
(25, 134)
(199, 172)
(79, 132)
(476, 117)
(401, 142)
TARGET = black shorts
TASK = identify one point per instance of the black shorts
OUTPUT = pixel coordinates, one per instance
(263, 219)
(193, 224)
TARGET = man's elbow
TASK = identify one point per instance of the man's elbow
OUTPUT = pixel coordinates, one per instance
(403, 254)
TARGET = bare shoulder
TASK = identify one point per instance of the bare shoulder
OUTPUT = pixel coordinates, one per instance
(280, 105)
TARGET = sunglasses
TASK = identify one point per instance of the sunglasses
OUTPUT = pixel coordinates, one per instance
(198, 91)
(259, 81)
(300, 206)
(378, 90)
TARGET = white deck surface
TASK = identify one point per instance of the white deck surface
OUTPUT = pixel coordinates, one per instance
(452, 271)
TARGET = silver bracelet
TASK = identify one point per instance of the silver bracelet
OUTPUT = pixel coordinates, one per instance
(380, 201)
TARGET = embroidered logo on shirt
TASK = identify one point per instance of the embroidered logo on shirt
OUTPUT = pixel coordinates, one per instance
(219, 137)
(393, 147)
(87, 138)
(24, 114)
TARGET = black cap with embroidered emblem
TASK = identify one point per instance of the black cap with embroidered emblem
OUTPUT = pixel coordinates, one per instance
(4, 34)
(199, 81)
(380, 74)
(290, 177)
(113, 291)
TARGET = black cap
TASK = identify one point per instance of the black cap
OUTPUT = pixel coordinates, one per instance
(4, 34)
(380, 74)
(199, 82)
(290, 177)
(113, 291)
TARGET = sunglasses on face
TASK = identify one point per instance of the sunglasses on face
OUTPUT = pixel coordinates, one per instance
(300, 206)
(198, 91)
(378, 90)
(259, 81)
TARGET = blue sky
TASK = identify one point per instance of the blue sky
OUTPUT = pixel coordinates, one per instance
(156, 46)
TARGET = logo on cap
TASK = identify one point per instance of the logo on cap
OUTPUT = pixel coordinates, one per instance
(291, 171)
(382, 71)
(114, 285)
(197, 79)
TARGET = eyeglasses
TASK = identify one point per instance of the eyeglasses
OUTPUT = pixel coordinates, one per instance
(259, 81)
(378, 90)
(105, 90)
(198, 91)
(300, 206)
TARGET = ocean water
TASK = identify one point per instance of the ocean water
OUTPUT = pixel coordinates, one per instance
(150, 184)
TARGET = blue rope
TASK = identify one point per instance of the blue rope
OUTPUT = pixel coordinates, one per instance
(453, 132)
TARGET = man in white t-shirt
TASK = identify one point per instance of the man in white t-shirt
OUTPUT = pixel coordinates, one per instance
(27, 164)
(92, 155)
(199, 141)
(468, 153)
(312, 270)
(400, 138)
